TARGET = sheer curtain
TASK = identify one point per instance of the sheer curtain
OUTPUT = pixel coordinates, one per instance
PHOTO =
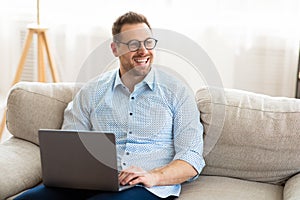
(254, 44)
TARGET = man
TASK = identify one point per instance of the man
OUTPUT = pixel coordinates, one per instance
(154, 117)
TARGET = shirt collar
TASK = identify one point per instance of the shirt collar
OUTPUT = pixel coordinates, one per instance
(117, 79)
(148, 80)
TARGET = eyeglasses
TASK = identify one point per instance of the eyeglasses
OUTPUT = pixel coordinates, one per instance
(134, 45)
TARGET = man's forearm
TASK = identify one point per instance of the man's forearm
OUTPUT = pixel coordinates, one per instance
(175, 172)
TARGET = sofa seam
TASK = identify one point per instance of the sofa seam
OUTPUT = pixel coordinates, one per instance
(49, 97)
(269, 111)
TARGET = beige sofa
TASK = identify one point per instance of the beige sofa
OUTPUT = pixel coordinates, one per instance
(251, 142)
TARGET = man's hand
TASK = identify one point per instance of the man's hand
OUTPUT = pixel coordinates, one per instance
(175, 172)
(136, 175)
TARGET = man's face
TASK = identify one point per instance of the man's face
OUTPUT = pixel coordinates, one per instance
(138, 63)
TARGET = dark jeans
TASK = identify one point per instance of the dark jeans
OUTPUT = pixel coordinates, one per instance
(42, 192)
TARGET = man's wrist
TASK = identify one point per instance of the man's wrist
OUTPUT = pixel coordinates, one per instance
(156, 176)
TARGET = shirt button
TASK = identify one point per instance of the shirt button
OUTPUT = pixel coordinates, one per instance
(130, 132)
(124, 164)
(130, 113)
(132, 98)
(127, 153)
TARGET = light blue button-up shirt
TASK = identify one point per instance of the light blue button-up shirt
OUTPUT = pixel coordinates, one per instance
(157, 123)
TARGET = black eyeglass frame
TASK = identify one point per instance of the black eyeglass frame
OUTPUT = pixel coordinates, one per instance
(130, 41)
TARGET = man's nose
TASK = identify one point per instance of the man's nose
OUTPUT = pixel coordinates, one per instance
(142, 47)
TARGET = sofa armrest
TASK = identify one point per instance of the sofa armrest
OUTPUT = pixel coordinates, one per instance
(20, 166)
(292, 188)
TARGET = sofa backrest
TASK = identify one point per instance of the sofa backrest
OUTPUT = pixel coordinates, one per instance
(250, 136)
(32, 105)
(246, 135)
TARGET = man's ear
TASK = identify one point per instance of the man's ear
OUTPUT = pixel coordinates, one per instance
(114, 49)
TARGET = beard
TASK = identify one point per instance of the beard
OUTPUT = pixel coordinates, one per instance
(134, 68)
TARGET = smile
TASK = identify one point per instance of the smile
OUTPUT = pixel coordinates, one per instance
(141, 60)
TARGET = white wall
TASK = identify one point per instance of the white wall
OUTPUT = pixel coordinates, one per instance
(254, 44)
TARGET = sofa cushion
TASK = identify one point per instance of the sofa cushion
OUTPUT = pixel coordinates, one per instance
(215, 188)
(258, 138)
(34, 105)
(292, 188)
(20, 166)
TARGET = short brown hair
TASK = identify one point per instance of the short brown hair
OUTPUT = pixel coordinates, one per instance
(128, 18)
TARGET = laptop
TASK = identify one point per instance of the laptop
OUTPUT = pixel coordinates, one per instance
(79, 160)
